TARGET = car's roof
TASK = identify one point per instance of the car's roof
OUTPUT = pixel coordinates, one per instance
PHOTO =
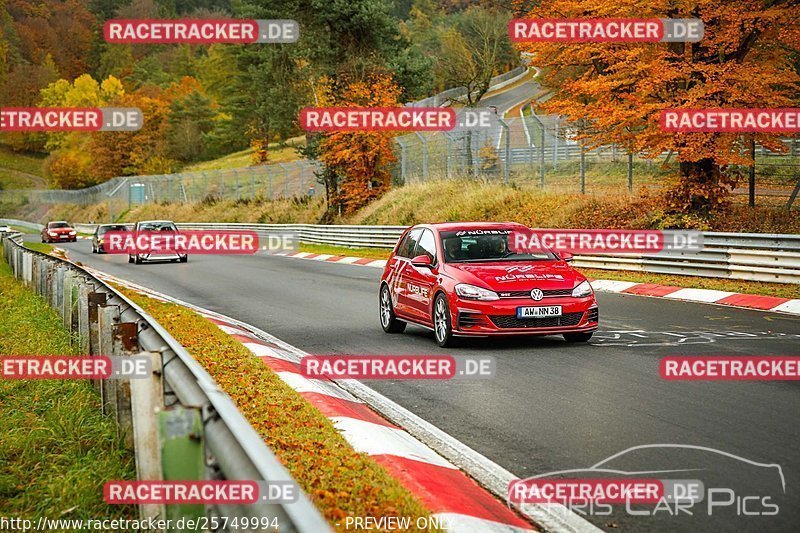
(117, 224)
(455, 226)
(58, 222)
(155, 221)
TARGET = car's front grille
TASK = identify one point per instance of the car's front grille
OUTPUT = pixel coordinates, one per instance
(510, 321)
(593, 316)
(548, 293)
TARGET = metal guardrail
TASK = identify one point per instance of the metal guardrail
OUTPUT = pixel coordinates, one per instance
(22, 224)
(748, 256)
(236, 449)
(772, 257)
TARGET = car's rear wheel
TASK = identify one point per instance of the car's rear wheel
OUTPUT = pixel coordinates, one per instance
(442, 324)
(578, 337)
(184, 259)
(137, 259)
(389, 321)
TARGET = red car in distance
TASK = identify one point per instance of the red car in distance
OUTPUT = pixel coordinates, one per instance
(59, 231)
(463, 279)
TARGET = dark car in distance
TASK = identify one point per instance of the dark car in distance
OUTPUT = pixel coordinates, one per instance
(102, 229)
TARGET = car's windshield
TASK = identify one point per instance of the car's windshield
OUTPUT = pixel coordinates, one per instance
(473, 246)
(157, 226)
(54, 225)
(103, 229)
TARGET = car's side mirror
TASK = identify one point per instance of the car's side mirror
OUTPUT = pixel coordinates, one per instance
(422, 261)
(566, 256)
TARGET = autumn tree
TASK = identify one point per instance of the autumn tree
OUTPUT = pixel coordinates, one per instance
(473, 50)
(357, 164)
(745, 60)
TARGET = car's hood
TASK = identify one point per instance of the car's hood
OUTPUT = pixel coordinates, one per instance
(516, 275)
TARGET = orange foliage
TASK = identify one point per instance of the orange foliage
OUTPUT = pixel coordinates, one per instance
(743, 61)
(361, 160)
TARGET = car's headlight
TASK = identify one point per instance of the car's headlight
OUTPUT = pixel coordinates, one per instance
(582, 289)
(72, 233)
(471, 292)
(52, 233)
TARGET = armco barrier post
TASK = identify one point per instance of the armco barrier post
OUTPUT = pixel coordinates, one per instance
(83, 317)
(107, 315)
(59, 288)
(36, 263)
(147, 398)
(77, 281)
(66, 296)
(182, 453)
(95, 300)
(124, 342)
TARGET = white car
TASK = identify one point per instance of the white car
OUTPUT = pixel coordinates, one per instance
(5, 229)
(156, 225)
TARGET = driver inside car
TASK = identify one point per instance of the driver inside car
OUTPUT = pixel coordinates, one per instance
(453, 249)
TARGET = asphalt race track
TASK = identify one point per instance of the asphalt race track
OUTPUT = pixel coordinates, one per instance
(552, 406)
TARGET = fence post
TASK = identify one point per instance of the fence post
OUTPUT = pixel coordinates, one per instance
(555, 145)
(583, 169)
(402, 160)
(507, 130)
(630, 172)
(448, 163)
(424, 154)
(752, 184)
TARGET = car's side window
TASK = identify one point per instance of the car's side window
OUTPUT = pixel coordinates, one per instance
(408, 245)
(427, 245)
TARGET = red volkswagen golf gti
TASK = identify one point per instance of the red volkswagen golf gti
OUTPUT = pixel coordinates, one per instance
(463, 279)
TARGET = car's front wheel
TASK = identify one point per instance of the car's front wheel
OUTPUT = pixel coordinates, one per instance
(578, 337)
(389, 321)
(442, 324)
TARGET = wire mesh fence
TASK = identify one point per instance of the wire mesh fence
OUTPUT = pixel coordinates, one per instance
(524, 150)
(541, 151)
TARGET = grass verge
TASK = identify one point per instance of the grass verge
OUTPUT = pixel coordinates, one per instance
(20, 170)
(782, 290)
(373, 253)
(39, 247)
(340, 481)
(57, 450)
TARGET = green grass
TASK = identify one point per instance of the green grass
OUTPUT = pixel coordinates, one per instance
(20, 170)
(20, 229)
(783, 290)
(277, 154)
(39, 247)
(56, 450)
(340, 481)
(372, 253)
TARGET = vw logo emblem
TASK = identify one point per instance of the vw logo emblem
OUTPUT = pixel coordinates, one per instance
(537, 294)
